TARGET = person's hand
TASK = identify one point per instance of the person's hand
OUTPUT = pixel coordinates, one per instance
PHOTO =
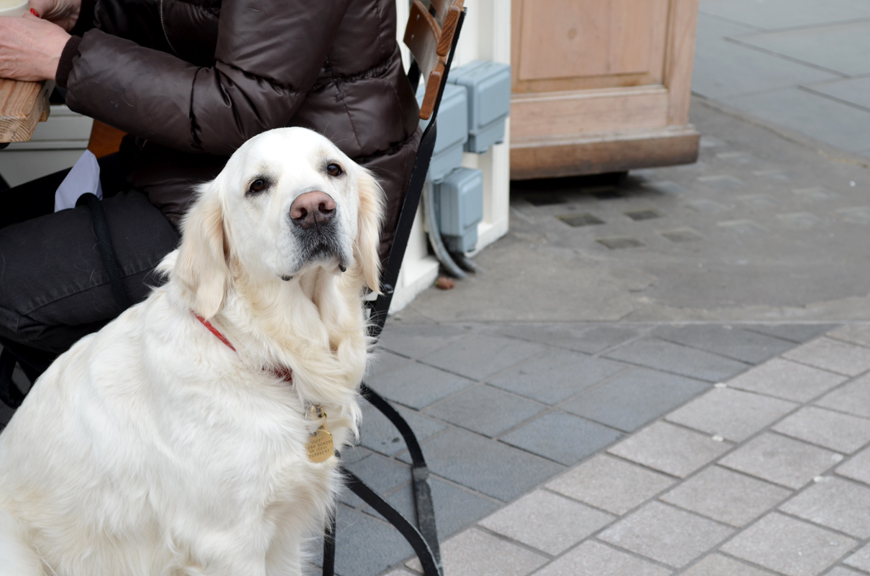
(30, 48)
(64, 13)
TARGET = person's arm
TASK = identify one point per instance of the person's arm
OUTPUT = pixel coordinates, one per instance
(268, 55)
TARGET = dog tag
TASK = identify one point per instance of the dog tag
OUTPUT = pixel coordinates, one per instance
(320, 445)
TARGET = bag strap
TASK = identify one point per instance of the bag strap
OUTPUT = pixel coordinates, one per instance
(106, 249)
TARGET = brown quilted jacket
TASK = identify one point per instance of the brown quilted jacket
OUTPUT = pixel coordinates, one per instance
(193, 79)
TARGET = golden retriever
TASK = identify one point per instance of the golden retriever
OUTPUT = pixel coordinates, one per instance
(176, 440)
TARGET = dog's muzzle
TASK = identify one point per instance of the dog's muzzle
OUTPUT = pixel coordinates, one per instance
(313, 218)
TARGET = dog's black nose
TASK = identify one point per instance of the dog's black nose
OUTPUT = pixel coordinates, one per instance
(312, 209)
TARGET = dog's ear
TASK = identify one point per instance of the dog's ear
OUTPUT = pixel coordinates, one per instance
(371, 211)
(201, 266)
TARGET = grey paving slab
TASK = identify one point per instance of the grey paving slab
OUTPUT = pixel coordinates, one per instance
(485, 410)
(789, 546)
(556, 376)
(854, 333)
(860, 559)
(788, 380)
(485, 465)
(718, 565)
(561, 437)
(840, 571)
(368, 545)
(840, 48)
(855, 91)
(776, 14)
(781, 460)
(610, 483)
(416, 340)
(380, 435)
(547, 521)
(476, 553)
(634, 398)
(677, 359)
(380, 473)
(384, 361)
(743, 345)
(669, 448)
(417, 385)
(479, 357)
(835, 503)
(799, 220)
(834, 430)
(799, 333)
(580, 337)
(854, 397)
(596, 559)
(857, 467)
(666, 534)
(455, 508)
(733, 414)
(833, 355)
(726, 496)
(824, 119)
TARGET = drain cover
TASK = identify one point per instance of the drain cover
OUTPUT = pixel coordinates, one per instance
(543, 199)
(617, 242)
(647, 214)
(681, 235)
(577, 220)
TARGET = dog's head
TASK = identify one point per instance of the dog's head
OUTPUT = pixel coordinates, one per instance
(287, 201)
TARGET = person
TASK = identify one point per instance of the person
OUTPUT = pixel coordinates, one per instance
(189, 81)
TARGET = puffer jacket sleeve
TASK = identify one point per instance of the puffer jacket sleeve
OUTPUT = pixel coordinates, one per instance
(268, 55)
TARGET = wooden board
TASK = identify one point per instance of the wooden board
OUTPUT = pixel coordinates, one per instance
(604, 152)
(22, 106)
(593, 78)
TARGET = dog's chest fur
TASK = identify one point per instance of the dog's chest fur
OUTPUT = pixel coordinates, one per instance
(181, 457)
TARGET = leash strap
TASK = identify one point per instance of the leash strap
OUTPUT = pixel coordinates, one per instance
(431, 565)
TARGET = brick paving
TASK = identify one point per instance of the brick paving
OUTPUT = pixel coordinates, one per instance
(717, 487)
(574, 425)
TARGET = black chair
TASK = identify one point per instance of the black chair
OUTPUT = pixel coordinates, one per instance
(431, 35)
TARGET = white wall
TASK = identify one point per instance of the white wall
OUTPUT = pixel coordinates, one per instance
(486, 35)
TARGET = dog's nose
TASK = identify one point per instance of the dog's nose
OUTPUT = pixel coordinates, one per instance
(312, 209)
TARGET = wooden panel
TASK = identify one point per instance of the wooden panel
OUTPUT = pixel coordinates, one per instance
(583, 38)
(604, 152)
(559, 114)
(22, 106)
(680, 58)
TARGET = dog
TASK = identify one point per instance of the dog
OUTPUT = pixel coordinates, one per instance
(190, 436)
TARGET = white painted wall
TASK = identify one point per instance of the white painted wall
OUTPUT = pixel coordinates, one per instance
(486, 35)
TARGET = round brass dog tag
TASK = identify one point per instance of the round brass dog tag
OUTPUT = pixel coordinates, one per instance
(320, 446)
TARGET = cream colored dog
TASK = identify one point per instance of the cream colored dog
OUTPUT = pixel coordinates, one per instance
(174, 441)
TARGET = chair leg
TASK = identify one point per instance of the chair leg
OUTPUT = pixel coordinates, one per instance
(329, 549)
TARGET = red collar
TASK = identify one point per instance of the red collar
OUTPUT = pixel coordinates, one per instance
(284, 372)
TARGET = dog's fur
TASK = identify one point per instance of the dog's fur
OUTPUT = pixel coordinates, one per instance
(152, 448)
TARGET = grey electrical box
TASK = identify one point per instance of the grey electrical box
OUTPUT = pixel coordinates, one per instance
(459, 207)
(489, 101)
(452, 131)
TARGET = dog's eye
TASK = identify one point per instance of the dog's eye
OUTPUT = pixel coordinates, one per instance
(334, 169)
(257, 186)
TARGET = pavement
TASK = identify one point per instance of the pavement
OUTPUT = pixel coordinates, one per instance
(664, 373)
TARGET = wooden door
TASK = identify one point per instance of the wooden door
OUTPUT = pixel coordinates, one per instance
(601, 85)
